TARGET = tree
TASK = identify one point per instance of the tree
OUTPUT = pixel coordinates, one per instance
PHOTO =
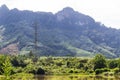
(112, 64)
(40, 71)
(31, 54)
(6, 67)
(18, 62)
(99, 62)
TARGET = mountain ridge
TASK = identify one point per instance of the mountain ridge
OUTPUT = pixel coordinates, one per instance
(66, 33)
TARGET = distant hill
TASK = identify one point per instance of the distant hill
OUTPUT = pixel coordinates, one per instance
(66, 33)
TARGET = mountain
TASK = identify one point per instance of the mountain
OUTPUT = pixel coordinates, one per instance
(66, 33)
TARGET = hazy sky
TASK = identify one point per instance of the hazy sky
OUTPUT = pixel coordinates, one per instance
(104, 11)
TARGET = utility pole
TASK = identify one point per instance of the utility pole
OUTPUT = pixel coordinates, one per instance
(35, 26)
(36, 35)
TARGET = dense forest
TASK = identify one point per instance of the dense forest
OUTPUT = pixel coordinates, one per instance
(26, 66)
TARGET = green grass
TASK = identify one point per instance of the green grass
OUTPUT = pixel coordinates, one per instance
(80, 52)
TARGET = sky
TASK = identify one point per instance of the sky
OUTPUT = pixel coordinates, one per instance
(105, 11)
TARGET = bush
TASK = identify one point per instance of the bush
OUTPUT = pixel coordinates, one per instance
(105, 69)
(76, 71)
(32, 71)
(40, 71)
(71, 71)
(112, 64)
(59, 64)
(80, 65)
(99, 62)
(84, 61)
(98, 71)
(90, 71)
(68, 64)
(116, 70)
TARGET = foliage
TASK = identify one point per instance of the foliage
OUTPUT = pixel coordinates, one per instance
(99, 61)
(101, 70)
(23, 76)
(18, 62)
(6, 67)
(112, 64)
(116, 70)
(40, 71)
(98, 71)
(54, 65)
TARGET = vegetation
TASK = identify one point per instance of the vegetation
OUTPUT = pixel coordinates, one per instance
(20, 67)
(66, 33)
(58, 35)
(7, 70)
(99, 62)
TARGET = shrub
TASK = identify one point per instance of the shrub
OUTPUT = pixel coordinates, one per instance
(71, 71)
(105, 69)
(112, 64)
(116, 70)
(98, 71)
(99, 62)
(80, 65)
(84, 61)
(68, 64)
(90, 71)
(59, 64)
(76, 71)
(40, 71)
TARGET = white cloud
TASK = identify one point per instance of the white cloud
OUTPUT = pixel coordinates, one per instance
(106, 11)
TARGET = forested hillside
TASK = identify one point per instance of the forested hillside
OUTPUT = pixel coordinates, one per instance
(66, 33)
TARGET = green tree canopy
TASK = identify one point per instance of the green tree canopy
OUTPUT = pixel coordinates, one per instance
(112, 64)
(99, 61)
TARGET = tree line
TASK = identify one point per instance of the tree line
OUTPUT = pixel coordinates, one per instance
(32, 65)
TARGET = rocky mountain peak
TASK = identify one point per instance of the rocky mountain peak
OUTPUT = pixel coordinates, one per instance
(4, 8)
(68, 10)
(65, 13)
